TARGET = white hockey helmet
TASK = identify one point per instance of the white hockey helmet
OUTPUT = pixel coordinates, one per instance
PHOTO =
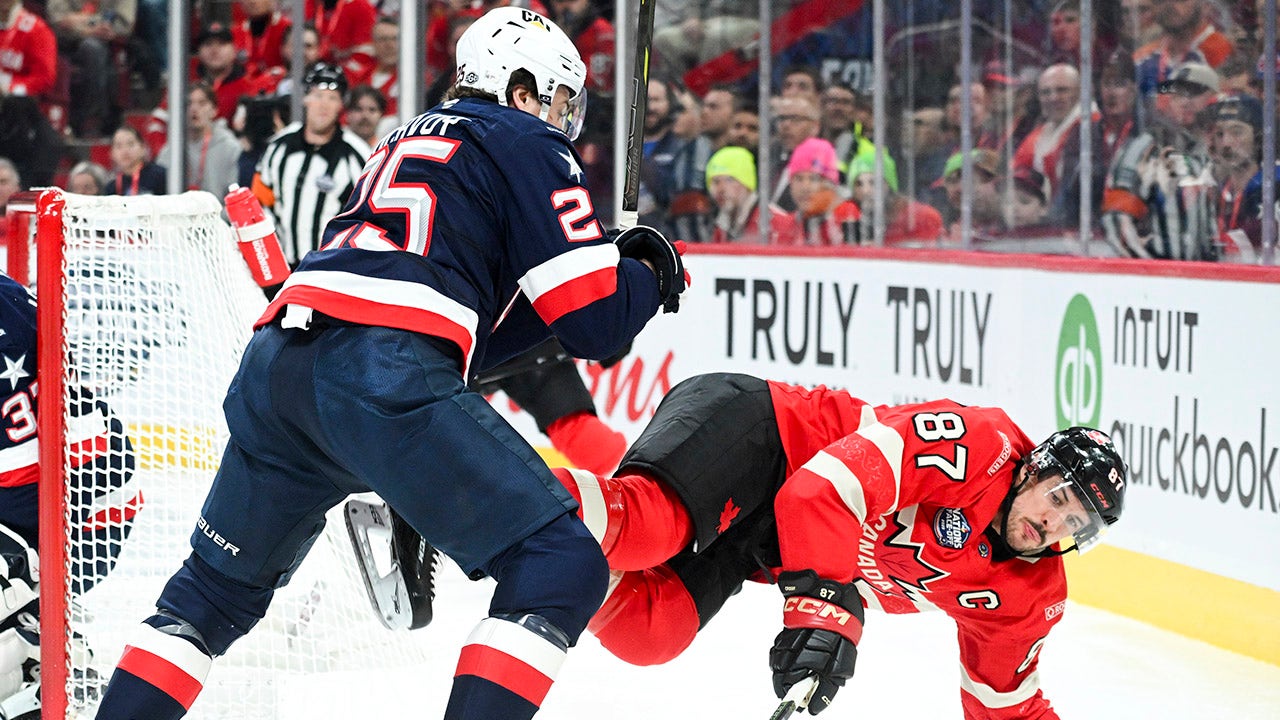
(507, 39)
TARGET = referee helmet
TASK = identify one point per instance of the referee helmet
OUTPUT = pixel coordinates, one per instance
(326, 77)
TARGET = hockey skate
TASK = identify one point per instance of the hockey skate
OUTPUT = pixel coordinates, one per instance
(397, 564)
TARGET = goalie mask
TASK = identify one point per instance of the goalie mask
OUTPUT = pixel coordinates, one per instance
(1087, 463)
(507, 39)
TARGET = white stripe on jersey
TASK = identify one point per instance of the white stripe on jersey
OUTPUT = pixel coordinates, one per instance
(567, 267)
(989, 697)
(595, 514)
(79, 429)
(847, 485)
(173, 649)
(890, 444)
(519, 642)
(294, 174)
(391, 292)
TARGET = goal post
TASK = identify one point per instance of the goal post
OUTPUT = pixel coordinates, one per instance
(144, 306)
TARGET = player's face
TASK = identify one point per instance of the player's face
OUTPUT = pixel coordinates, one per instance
(1044, 512)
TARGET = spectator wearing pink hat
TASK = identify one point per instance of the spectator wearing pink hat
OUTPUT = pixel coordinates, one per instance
(731, 177)
(824, 217)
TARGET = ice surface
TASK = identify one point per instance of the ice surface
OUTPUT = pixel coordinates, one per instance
(1096, 666)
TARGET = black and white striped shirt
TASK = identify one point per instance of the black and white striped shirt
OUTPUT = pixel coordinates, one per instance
(310, 183)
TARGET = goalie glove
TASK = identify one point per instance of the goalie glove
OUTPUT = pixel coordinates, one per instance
(645, 243)
(822, 624)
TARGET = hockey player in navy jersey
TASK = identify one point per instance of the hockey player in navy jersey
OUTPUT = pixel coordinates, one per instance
(100, 514)
(468, 238)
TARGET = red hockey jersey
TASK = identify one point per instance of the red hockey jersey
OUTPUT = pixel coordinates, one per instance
(896, 500)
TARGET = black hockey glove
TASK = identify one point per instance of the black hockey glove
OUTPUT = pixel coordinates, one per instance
(822, 624)
(645, 243)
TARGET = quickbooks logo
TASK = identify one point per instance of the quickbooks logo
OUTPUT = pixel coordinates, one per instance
(1078, 380)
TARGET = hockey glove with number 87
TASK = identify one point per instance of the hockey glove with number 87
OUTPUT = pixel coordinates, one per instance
(645, 243)
(822, 624)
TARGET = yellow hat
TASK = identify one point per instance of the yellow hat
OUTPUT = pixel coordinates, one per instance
(736, 162)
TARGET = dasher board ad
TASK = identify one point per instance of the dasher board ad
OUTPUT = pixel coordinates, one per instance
(1182, 372)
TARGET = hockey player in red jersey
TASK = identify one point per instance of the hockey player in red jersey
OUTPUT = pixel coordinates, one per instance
(928, 506)
(468, 238)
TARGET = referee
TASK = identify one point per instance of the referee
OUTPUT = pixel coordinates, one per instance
(308, 170)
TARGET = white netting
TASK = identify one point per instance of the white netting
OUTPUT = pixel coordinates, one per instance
(159, 306)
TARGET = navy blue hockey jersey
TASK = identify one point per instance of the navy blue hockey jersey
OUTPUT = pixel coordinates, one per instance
(471, 221)
(101, 457)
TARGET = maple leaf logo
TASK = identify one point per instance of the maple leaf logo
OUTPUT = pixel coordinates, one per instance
(727, 515)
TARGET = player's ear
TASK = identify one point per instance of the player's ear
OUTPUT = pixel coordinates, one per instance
(520, 96)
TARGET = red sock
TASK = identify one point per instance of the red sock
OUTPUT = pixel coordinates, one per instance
(639, 522)
(588, 442)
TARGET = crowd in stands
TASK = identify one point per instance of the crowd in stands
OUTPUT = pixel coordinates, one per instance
(1174, 152)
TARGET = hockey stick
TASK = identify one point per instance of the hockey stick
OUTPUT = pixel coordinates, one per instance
(797, 699)
(629, 215)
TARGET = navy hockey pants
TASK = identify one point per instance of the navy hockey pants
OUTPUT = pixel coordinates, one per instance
(318, 414)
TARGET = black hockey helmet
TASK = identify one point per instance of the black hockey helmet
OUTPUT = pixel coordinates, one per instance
(326, 77)
(1085, 458)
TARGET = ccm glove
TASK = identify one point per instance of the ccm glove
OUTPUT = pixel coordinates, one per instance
(822, 624)
(645, 243)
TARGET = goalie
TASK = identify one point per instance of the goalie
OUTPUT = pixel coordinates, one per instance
(101, 504)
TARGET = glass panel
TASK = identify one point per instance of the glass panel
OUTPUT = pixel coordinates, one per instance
(975, 138)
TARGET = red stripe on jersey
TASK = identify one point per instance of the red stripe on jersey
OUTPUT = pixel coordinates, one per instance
(368, 312)
(506, 670)
(87, 450)
(576, 293)
(114, 516)
(161, 673)
(21, 476)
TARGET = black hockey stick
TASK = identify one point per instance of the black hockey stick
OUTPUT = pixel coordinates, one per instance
(629, 215)
(796, 700)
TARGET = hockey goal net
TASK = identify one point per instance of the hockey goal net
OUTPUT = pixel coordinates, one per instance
(145, 306)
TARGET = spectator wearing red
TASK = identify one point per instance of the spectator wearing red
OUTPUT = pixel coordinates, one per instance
(345, 27)
(260, 36)
(823, 217)
(1048, 147)
(217, 64)
(28, 73)
(383, 73)
(731, 177)
(907, 221)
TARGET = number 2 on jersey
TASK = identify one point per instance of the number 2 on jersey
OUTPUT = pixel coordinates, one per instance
(932, 427)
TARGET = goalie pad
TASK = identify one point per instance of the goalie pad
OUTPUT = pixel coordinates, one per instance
(401, 587)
